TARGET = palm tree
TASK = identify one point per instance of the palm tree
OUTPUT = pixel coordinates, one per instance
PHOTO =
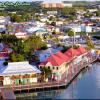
(72, 33)
(46, 72)
(89, 42)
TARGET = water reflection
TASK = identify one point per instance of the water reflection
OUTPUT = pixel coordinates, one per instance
(85, 86)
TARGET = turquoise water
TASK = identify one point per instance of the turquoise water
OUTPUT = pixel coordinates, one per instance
(85, 86)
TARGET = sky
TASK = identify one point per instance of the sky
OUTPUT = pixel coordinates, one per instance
(48, 0)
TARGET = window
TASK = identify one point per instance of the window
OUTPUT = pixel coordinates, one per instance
(50, 5)
(57, 68)
(53, 67)
(48, 67)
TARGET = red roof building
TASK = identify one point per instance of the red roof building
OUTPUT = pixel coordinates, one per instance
(54, 60)
(62, 56)
(58, 62)
(75, 52)
(81, 50)
(71, 53)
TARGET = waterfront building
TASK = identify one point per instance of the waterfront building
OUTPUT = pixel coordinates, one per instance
(18, 73)
(76, 53)
(57, 63)
(71, 53)
(60, 62)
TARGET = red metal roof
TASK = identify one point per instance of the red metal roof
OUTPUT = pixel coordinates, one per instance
(81, 50)
(54, 60)
(59, 58)
(62, 56)
(71, 52)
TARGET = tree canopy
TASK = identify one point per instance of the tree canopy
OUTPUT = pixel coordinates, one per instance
(22, 49)
(71, 33)
(89, 42)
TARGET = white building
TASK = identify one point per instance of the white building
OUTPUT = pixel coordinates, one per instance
(16, 73)
(95, 18)
(52, 12)
(68, 5)
(92, 10)
(20, 34)
(78, 28)
(4, 20)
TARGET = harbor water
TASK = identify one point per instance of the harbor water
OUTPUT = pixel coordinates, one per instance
(85, 86)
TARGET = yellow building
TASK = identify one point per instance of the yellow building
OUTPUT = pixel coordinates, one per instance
(58, 65)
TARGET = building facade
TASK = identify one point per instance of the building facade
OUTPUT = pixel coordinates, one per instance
(17, 73)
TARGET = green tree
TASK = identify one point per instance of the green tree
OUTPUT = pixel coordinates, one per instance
(20, 57)
(35, 42)
(82, 34)
(69, 11)
(13, 57)
(89, 43)
(98, 13)
(9, 39)
(9, 28)
(23, 49)
(72, 33)
(46, 72)
(16, 18)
